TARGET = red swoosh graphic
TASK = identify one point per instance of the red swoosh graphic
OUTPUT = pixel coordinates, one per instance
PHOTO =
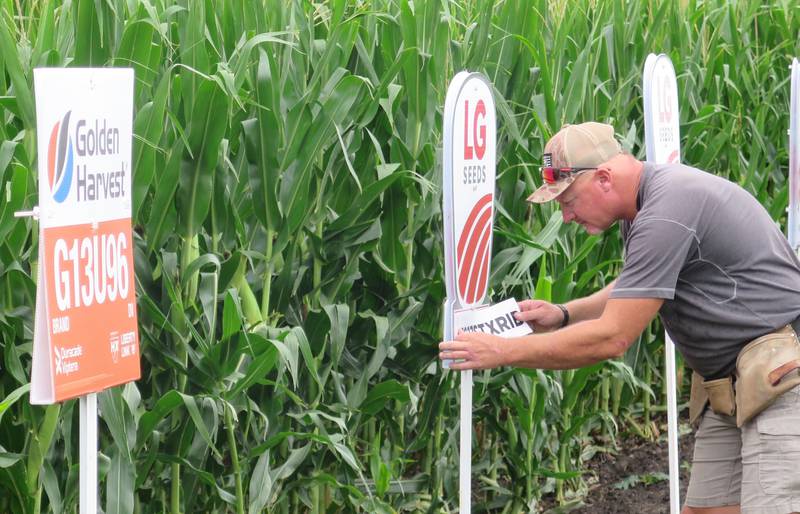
(462, 240)
(673, 157)
(468, 258)
(481, 262)
(473, 251)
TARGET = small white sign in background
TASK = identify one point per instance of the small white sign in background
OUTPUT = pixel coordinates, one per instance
(793, 231)
(661, 115)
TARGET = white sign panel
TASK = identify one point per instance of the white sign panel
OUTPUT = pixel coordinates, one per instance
(661, 114)
(469, 178)
(497, 319)
(794, 159)
(85, 336)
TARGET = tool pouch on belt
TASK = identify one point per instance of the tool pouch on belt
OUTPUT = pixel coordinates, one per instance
(697, 399)
(717, 393)
(720, 395)
(766, 368)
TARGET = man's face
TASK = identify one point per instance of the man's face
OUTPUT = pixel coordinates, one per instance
(583, 203)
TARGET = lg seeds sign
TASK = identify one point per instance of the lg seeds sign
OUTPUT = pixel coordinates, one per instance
(469, 179)
(86, 334)
(468, 208)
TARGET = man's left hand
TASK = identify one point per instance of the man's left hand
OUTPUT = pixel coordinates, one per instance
(475, 350)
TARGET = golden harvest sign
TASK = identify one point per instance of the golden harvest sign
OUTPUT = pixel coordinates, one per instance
(85, 337)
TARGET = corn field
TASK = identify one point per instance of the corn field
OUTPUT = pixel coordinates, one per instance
(288, 240)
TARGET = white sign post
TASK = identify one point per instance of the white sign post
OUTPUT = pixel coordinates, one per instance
(85, 334)
(468, 211)
(662, 137)
(793, 229)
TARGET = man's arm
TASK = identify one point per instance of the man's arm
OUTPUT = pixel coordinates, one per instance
(589, 307)
(575, 346)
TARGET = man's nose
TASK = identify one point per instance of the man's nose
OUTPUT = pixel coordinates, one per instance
(567, 214)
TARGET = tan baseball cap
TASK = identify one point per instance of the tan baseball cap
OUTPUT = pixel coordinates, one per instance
(586, 145)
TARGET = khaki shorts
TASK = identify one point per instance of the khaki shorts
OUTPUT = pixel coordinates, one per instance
(757, 466)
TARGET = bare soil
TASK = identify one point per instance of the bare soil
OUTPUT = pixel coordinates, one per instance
(631, 481)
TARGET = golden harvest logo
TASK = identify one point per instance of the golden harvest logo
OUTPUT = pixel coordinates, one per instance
(60, 162)
(70, 153)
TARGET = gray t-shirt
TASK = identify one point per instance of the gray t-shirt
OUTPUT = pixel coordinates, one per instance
(711, 251)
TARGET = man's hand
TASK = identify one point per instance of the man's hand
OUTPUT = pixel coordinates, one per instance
(474, 350)
(578, 345)
(540, 315)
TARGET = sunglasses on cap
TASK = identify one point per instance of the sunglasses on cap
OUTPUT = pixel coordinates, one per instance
(552, 175)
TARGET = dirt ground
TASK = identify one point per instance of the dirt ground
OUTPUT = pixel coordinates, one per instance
(632, 481)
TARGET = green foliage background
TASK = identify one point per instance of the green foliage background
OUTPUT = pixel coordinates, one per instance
(289, 243)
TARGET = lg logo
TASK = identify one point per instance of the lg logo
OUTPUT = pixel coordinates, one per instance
(474, 139)
(664, 99)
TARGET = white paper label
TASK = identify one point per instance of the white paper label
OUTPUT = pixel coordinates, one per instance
(497, 319)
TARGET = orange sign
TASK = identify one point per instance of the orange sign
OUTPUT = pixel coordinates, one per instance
(85, 337)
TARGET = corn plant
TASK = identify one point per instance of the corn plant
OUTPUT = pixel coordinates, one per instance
(287, 170)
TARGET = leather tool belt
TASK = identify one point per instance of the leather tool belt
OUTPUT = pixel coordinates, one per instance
(766, 368)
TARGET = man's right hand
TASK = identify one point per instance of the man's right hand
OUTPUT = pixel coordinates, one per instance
(540, 315)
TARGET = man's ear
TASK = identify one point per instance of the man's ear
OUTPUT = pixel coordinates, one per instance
(604, 178)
